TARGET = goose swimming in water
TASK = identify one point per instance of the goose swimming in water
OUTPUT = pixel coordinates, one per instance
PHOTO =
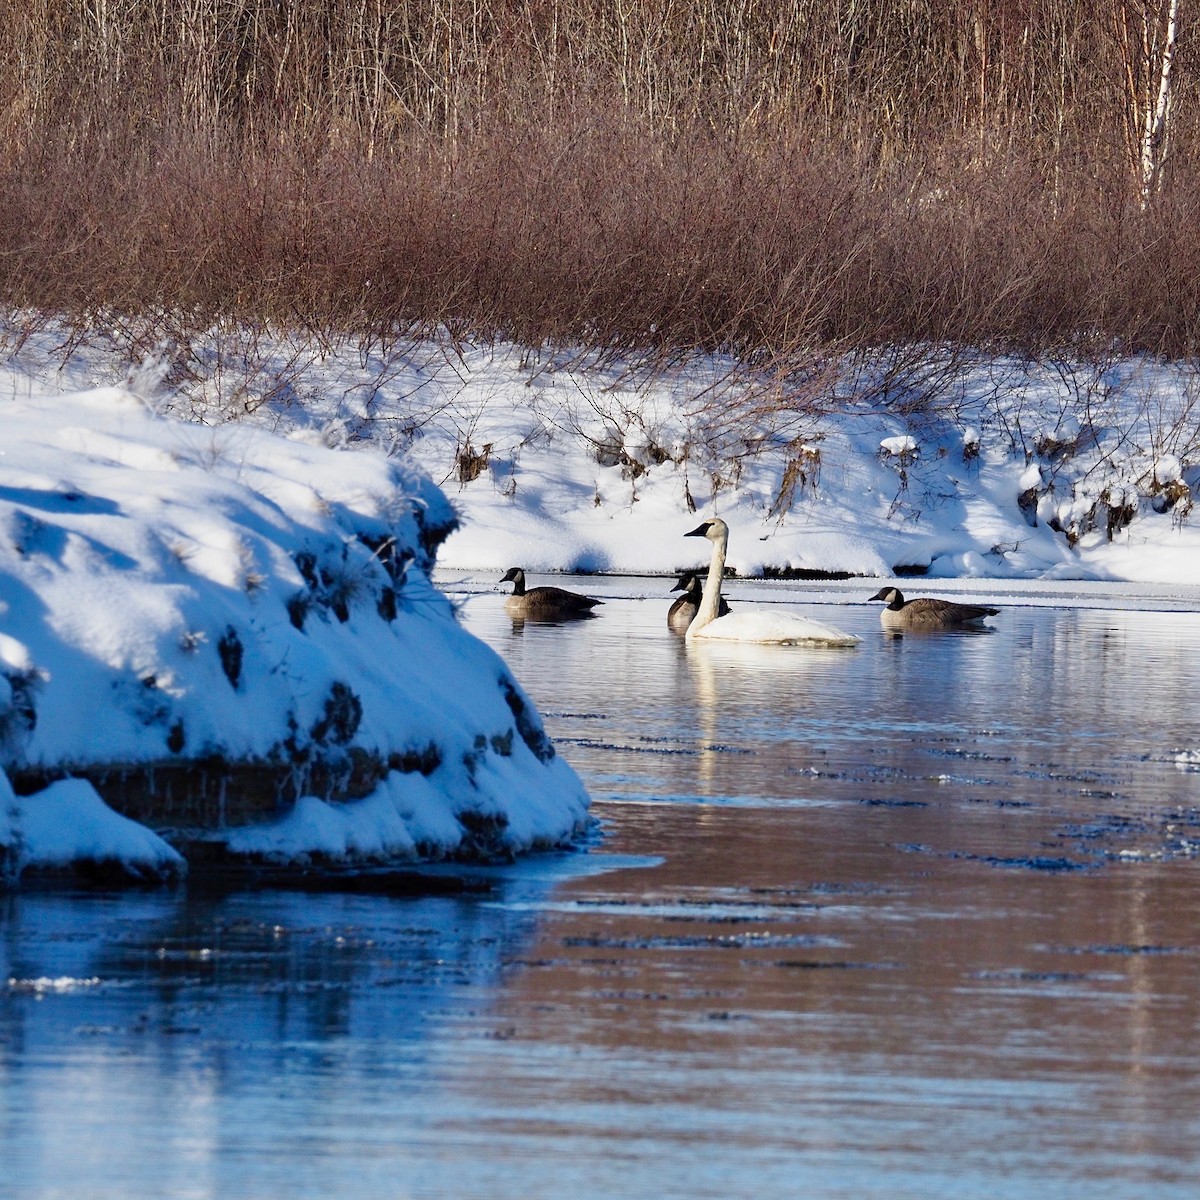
(752, 625)
(544, 603)
(926, 613)
(681, 614)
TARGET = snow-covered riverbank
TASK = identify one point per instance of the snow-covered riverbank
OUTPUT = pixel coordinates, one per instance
(1015, 474)
(964, 466)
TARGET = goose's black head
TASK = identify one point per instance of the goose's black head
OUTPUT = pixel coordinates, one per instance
(891, 596)
(517, 576)
(686, 582)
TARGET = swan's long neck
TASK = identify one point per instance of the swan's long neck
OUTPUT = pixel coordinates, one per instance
(710, 601)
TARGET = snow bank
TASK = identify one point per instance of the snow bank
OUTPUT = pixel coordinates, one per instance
(557, 462)
(232, 637)
(1018, 472)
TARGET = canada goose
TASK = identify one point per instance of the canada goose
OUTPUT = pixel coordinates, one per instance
(544, 603)
(754, 625)
(681, 613)
(927, 613)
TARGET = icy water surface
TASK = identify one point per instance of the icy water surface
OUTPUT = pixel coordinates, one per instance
(919, 919)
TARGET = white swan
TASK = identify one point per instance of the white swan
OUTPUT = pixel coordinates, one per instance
(752, 625)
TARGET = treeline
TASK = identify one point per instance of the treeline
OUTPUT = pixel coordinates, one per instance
(768, 177)
(889, 73)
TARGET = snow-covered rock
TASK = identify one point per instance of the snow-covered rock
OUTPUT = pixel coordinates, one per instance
(232, 636)
(67, 826)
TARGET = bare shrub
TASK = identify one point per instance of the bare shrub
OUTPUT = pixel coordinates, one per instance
(469, 463)
(783, 181)
(802, 469)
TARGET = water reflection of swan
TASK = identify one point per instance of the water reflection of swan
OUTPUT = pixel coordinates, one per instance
(750, 661)
(729, 683)
(753, 625)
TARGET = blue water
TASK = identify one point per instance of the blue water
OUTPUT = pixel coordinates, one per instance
(920, 919)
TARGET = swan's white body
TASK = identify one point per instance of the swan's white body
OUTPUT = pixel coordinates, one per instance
(779, 629)
(753, 625)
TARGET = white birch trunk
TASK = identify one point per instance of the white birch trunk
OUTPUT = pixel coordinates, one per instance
(1154, 129)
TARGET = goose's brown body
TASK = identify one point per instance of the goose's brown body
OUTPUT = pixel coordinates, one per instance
(927, 613)
(545, 603)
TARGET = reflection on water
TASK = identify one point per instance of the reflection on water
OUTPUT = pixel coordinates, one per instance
(918, 919)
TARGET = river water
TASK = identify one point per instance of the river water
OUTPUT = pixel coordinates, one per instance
(917, 919)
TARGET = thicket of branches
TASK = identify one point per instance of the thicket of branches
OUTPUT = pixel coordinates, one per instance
(771, 177)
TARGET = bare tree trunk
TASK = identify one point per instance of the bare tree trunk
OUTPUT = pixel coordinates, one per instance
(1147, 32)
(1154, 132)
